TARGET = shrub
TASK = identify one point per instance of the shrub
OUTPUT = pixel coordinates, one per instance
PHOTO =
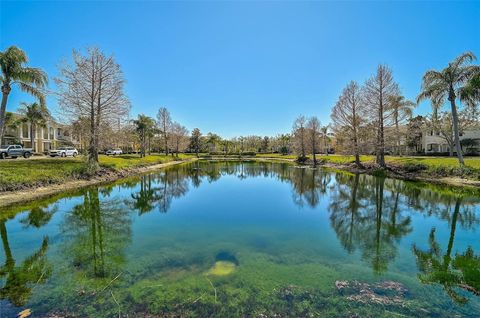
(302, 159)
(414, 167)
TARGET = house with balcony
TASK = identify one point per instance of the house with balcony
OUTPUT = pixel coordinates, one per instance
(50, 136)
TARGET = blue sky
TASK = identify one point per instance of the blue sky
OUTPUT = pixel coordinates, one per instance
(239, 68)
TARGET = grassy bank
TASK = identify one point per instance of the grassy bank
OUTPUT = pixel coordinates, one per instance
(19, 173)
(438, 169)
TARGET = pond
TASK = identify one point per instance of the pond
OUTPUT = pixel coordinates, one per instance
(244, 239)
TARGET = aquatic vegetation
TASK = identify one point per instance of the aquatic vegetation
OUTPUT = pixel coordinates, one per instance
(245, 239)
(222, 268)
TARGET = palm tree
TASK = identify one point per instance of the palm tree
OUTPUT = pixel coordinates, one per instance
(9, 122)
(470, 94)
(30, 80)
(401, 109)
(449, 84)
(36, 115)
(19, 280)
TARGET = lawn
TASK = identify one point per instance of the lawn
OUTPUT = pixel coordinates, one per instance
(16, 173)
(130, 161)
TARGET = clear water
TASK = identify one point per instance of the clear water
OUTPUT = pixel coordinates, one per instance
(147, 247)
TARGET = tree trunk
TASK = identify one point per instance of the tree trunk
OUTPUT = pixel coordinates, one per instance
(166, 140)
(398, 135)
(9, 262)
(91, 148)
(380, 140)
(452, 232)
(149, 145)
(32, 137)
(313, 152)
(3, 109)
(456, 130)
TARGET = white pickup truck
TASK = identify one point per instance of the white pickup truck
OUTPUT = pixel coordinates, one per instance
(14, 151)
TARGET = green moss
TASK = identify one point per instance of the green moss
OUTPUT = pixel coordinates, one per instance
(222, 268)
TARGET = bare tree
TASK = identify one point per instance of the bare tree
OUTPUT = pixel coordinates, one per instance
(300, 137)
(164, 122)
(92, 87)
(377, 92)
(179, 138)
(347, 115)
(313, 133)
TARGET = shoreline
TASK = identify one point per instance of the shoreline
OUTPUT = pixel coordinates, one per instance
(8, 198)
(392, 171)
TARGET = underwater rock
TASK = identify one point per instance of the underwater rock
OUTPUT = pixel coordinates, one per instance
(382, 293)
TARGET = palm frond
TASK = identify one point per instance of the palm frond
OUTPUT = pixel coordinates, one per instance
(435, 91)
(31, 75)
(34, 91)
(461, 60)
(432, 76)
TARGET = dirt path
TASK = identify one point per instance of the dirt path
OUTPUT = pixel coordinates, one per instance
(12, 197)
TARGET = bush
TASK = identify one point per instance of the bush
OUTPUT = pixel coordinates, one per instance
(249, 153)
(302, 159)
(284, 150)
(414, 167)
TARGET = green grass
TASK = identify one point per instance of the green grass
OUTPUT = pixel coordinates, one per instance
(275, 155)
(18, 173)
(133, 161)
(450, 162)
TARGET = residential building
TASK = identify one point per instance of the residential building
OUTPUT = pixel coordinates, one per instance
(434, 143)
(51, 136)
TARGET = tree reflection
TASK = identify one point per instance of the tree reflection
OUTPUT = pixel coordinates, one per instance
(366, 218)
(145, 199)
(39, 216)
(19, 280)
(97, 232)
(345, 205)
(308, 186)
(461, 271)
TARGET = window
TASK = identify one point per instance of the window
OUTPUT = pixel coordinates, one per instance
(51, 133)
(45, 133)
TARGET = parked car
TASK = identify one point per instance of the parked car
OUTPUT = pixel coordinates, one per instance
(113, 152)
(14, 151)
(63, 152)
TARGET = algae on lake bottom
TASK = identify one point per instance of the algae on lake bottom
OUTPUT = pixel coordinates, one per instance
(222, 268)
